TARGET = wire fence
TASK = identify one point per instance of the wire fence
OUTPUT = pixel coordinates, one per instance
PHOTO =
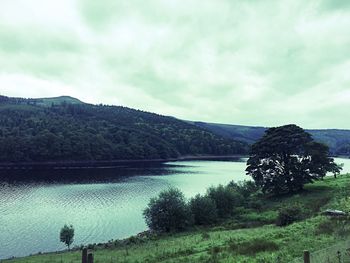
(338, 253)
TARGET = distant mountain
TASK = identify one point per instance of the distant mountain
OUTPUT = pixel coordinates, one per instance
(66, 129)
(337, 140)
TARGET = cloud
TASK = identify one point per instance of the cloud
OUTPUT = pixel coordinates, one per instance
(254, 62)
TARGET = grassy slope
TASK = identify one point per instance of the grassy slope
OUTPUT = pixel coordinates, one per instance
(249, 238)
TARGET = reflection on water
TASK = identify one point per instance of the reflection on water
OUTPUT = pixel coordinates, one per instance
(102, 204)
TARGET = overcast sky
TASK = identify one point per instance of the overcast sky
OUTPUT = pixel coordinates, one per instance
(251, 62)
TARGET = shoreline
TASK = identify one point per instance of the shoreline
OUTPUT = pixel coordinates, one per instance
(58, 165)
(119, 245)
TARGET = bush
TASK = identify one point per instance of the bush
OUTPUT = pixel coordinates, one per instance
(204, 210)
(205, 236)
(245, 188)
(325, 227)
(255, 204)
(225, 198)
(338, 226)
(252, 247)
(168, 212)
(315, 205)
(289, 215)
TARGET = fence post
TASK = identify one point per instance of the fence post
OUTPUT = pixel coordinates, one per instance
(339, 256)
(84, 256)
(306, 256)
(90, 258)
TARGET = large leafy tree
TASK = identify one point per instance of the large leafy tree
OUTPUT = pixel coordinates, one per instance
(286, 158)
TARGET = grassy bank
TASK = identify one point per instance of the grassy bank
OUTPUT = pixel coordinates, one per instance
(250, 236)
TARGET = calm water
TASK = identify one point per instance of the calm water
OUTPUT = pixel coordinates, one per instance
(101, 204)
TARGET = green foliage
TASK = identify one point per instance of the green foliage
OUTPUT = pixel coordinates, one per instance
(168, 212)
(325, 227)
(337, 140)
(225, 198)
(67, 235)
(288, 215)
(255, 244)
(204, 210)
(316, 205)
(286, 158)
(32, 130)
(344, 149)
(340, 227)
(253, 247)
(245, 188)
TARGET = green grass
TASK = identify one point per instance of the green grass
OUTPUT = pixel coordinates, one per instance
(250, 236)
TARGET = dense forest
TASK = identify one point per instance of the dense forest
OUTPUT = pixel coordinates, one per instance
(65, 129)
(337, 140)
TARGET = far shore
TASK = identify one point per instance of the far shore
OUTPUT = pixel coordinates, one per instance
(108, 164)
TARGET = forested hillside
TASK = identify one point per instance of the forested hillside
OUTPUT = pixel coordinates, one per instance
(65, 129)
(337, 140)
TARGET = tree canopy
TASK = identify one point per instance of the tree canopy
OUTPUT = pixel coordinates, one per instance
(35, 130)
(168, 212)
(286, 158)
(67, 235)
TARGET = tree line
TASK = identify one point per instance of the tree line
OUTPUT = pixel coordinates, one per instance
(84, 132)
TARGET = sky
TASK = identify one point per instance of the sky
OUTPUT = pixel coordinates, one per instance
(248, 62)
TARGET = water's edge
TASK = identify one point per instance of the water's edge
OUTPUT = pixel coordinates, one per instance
(108, 164)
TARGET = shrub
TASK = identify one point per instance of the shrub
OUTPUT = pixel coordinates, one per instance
(255, 204)
(168, 212)
(325, 227)
(245, 188)
(316, 204)
(288, 215)
(214, 254)
(253, 247)
(225, 198)
(205, 235)
(204, 210)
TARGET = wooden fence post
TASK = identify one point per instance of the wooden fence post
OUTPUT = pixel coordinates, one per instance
(84, 256)
(90, 258)
(306, 256)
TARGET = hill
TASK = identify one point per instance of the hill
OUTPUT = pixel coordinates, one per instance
(66, 129)
(337, 140)
(57, 101)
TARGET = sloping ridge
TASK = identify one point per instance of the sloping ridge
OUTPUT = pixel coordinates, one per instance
(338, 140)
(66, 129)
(58, 100)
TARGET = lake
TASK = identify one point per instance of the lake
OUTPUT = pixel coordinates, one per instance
(101, 204)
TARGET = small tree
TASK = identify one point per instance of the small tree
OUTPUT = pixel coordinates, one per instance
(245, 188)
(286, 158)
(225, 198)
(288, 215)
(168, 212)
(204, 210)
(67, 235)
